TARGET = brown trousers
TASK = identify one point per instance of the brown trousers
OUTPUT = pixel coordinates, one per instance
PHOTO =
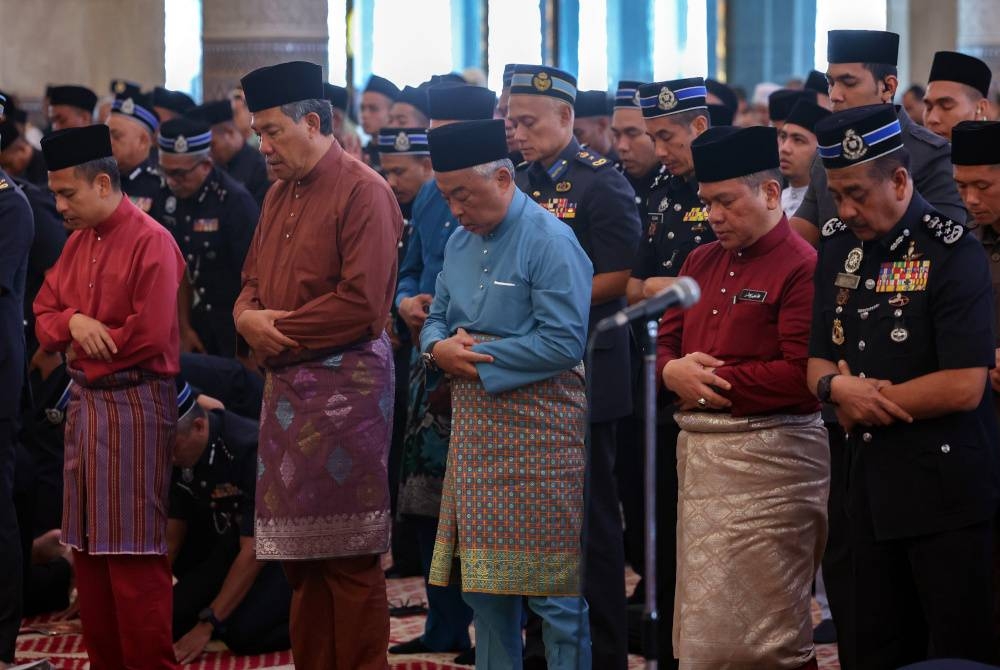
(340, 614)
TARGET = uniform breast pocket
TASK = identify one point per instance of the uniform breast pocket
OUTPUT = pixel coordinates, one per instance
(749, 324)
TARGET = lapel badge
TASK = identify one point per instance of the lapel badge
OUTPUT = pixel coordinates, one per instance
(563, 186)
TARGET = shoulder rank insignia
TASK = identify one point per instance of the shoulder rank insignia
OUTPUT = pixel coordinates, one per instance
(832, 227)
(944, 229)
(600, 161)
(4, 184)
(583, 154)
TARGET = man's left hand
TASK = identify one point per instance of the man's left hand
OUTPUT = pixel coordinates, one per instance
(191, 646)
(995, 373)
(456, 357)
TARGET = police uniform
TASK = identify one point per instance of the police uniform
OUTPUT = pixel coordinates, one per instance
(15, 236)
(584, 190)
(918, 498)
(930, 155)
(142, 183)
(50, 236)
(215, 499)
(250, 169)
(213, 229)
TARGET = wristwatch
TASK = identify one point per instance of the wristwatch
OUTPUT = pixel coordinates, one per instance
(208, 616)
(824, 388)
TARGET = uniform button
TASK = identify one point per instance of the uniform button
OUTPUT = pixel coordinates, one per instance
(187, 218)
(638, 200)
(723, 290)
(206, 244)
(212, 504)
(190, 257)
(447, 224)
(697, 239)
(898, 313)
(208, 308)
(869, 284)
(670, 235)
(861, 375)
(486, 269)
(867, 437)
(204, 484)
(864, 316)
(945, 448)
(732, 274)
(839, 309)
(715, 312)
(861, 345)
(201, 289)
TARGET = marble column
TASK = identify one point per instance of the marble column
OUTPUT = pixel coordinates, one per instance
(241, 35)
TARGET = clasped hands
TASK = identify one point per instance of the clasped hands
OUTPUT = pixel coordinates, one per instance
(456, 357)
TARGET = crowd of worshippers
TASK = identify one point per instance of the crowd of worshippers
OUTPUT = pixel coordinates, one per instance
(259, 355)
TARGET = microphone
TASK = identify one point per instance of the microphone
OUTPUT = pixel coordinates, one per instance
(683, 293)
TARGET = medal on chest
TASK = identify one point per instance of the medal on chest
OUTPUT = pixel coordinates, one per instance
(837, 332)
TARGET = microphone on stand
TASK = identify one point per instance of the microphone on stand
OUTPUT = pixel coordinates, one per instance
(683, 293)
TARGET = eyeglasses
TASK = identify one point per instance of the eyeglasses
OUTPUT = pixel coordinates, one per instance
(178, 173)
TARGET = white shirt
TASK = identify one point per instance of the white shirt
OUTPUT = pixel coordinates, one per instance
(791, 198)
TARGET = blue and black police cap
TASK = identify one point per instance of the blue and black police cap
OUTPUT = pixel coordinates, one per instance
(405, 141)
(8, 133)
(592, 104)
(138, 107)
(377, 84)
(780, 103)
(184, 135)
(976, 143)
(806, 114)
(186, 397)
(468, 143)
(720, 115)
(282, 84)
(723, 93)
(508, 72)
(75, 146)
(627, 94)
(858, 135)
(123, 88)
(726, 152)
(176, 101)
(862, 46)
(663, 98)
(542, 80)
(816, 81)
(80, 97)
(213, 113)
(337, 95)
(460, 103)
(415, 97)
(952, 66)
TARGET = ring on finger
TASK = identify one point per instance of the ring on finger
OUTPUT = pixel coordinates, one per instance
(702, 402)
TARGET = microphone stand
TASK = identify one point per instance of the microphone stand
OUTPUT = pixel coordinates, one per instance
(650, 618)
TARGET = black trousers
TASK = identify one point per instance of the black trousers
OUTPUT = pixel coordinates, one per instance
(11, 566)
(258, 625)
(405, 554)
(910, 599)
(604, 554)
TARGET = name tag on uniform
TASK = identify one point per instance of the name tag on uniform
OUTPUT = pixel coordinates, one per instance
(206, 225)
(751, 295)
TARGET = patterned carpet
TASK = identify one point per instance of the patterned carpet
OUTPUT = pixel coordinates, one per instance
(61, 643)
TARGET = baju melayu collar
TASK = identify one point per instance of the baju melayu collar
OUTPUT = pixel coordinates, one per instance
(767, 243)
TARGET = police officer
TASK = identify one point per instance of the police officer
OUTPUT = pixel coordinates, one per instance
(863, 72)
(902, 339)
(592, 124)
(675, 113)
(15, 244)
(636, 154)
(230, 149)
(212, 218)
(133, 124)
(222, 591)
(585, 191)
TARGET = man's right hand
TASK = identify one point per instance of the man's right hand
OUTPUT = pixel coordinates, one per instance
(456, 357)
(258, 329)
(995, 373)
(93, 337)
(190, 342)
(414, 311)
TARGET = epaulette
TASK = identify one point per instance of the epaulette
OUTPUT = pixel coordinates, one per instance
(5, 185)
(942, 228)
(833, 227)
(591, 159)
